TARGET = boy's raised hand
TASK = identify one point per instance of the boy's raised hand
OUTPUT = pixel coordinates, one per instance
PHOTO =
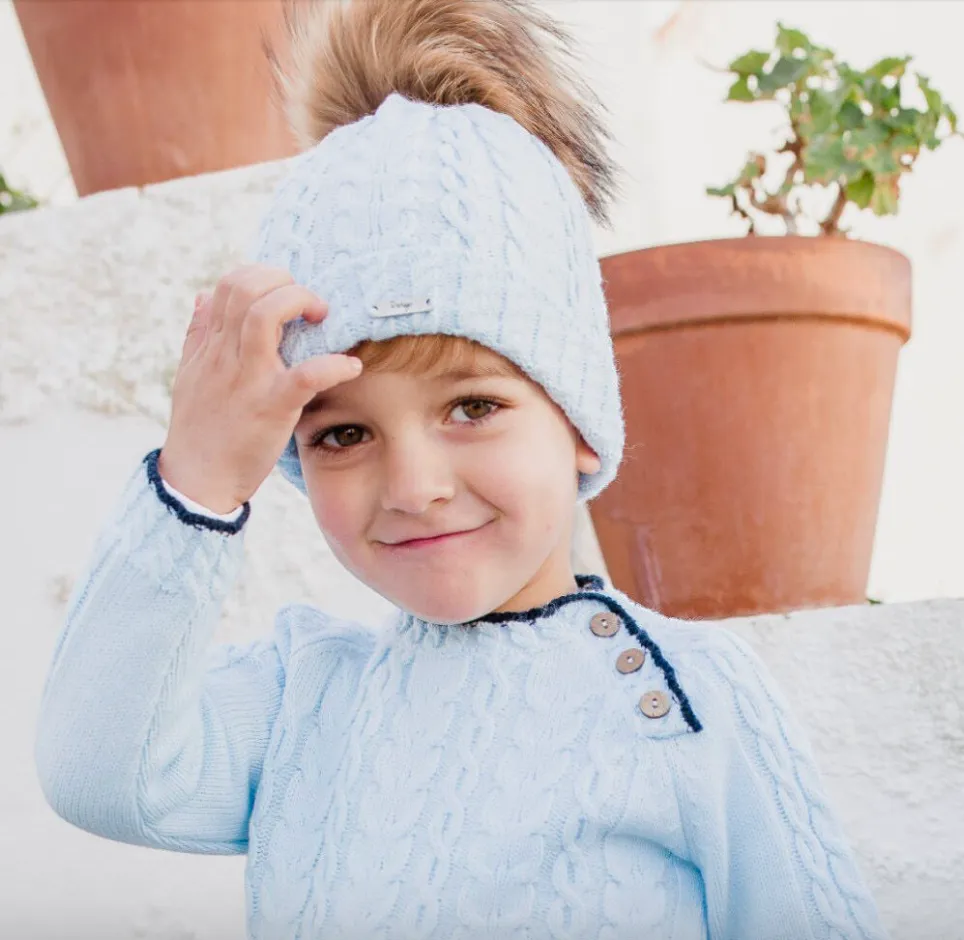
(234, 403)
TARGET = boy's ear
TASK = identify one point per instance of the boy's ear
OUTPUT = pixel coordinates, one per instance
(586, 460)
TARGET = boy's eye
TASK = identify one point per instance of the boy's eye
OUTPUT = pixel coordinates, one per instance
(474, 409)
(336, 438)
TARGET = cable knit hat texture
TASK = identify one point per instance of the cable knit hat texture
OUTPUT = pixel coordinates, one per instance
(422, 218)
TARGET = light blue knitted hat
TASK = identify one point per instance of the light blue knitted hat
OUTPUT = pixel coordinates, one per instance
(453, 219)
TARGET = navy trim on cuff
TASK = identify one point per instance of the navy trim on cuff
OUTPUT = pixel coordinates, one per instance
(184, 514)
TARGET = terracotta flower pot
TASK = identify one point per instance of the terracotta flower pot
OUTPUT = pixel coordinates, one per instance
(757, 378)
(142, 90)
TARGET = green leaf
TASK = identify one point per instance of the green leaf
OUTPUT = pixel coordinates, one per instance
(926, 129)
(750, 63)
(904, 143)
(951, 116)
(824, 106)
(784, 73)
(727, 190)
(881, 162)
(740, 91)
(824, 160)
(789, 40)
(819, 57)
(882, 98)
(886, 192)
(13, 200)
(860, 190)
(850, 115)
(892, 65)
(932, 98)
(870, 136)
(904, 119)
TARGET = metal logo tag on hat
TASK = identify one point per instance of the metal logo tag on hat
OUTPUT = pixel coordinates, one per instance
(396, 308)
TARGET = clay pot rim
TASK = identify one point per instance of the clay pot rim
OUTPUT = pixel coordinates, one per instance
(691, 283)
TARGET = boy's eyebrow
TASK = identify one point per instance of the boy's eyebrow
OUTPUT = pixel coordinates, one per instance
(464, 373)
(453, 374)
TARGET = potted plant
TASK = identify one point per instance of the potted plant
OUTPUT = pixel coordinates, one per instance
(758, 372)
(142, 91)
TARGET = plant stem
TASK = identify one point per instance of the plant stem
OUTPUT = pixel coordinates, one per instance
(739, 210)
(829, 225)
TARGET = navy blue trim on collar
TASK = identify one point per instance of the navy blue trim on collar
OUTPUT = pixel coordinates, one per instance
(591, 581)
(182, 512)
(590, 586)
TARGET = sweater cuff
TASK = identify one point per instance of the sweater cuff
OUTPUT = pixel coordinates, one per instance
(187, 510)
(189, 503)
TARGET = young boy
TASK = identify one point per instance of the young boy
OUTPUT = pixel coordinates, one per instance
(524, 752)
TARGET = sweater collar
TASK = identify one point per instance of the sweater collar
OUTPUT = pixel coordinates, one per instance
(584, 582)
(541, 619)
(490, 629)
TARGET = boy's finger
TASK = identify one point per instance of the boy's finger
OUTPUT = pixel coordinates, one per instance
(198, 325)
(241, 289)
(261, 330)
(317, 374)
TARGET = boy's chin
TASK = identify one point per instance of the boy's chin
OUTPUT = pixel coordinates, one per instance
(446, 610)
(444, 614)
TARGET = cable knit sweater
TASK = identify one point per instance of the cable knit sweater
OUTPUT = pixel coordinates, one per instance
(590, 769)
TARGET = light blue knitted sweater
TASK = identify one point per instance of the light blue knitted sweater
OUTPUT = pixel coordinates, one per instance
(519, 777)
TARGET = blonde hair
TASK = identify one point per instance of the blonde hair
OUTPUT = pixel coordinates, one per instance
(427, 354)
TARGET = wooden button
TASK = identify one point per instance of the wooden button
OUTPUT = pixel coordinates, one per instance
(654, 704)
(630, 660)
(604, 624)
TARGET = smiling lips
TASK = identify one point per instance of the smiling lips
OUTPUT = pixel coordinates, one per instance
(432, 540)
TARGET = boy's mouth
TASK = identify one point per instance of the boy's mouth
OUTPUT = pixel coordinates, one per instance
(438, 539)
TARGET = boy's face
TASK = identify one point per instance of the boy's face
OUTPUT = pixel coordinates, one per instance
(478, 455)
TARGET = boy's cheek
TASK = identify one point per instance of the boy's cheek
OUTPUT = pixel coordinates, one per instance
(337, 512)
(534, 466)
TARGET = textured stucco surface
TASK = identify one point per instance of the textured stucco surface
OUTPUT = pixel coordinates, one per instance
(880, 690)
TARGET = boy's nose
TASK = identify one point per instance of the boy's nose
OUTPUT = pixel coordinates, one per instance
(417, 474)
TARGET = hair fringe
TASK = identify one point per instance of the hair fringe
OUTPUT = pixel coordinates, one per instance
(428, 354)
(345, 57)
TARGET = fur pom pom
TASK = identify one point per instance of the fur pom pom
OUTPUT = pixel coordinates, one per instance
(345, 57)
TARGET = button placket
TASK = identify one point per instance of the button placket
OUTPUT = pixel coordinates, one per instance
(654, 703)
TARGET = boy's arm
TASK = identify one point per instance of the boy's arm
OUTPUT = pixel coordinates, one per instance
(773, 856)
(144, 734)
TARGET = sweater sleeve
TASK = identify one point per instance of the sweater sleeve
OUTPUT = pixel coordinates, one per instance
(191, 505)
(773, 856)
(145, 734)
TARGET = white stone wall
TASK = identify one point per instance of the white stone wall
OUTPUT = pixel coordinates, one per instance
(94, 299)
